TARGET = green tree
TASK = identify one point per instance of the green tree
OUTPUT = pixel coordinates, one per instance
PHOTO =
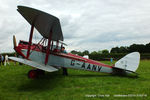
(105, 51)
(94, 53)
(86, 52)
(147, 48)
(74, 52)
(123, 49)
(99, 52)
(114, 50)
(77, 52)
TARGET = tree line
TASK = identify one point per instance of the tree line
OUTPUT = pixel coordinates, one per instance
(117, 52)
(134, 47)
(123, 49)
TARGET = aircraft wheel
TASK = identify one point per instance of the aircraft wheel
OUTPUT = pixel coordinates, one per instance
(32, 74)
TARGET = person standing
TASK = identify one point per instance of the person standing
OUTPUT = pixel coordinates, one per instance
(2, 59)
(6, 60)
(65, 72)
(111, 60)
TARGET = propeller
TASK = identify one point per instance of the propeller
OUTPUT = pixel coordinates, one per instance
(14, 41)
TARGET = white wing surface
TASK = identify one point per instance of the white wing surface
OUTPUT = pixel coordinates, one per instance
(34, 64)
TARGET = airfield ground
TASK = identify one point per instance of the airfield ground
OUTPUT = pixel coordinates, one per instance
(79, 85)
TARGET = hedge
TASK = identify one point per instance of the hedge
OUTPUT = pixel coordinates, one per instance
(115, 56)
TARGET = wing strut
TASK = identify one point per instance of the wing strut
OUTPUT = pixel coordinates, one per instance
(30, 41)
(48, 48)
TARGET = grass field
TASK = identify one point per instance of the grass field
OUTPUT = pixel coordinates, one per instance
(79, 85)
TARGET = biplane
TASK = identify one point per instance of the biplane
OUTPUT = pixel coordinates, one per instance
(46, 55)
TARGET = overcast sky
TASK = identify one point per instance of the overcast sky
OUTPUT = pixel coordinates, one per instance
(86, 24)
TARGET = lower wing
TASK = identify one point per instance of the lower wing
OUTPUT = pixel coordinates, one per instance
(34, 64)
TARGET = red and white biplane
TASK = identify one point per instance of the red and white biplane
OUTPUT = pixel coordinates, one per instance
(46, 55)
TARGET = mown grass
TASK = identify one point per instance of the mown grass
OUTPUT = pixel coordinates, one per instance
(79, 85)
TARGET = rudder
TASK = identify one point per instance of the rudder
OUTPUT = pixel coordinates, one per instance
(129, 62)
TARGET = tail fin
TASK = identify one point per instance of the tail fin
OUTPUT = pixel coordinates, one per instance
(130, 62)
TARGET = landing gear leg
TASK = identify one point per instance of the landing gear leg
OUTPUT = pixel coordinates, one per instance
(65, 71)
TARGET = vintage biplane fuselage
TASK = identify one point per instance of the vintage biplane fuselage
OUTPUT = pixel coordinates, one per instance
(58, 59)
(47, 55)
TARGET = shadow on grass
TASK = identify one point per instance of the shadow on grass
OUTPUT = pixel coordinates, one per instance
(127, 76)
(55, 79)
(102, 75)
(88, 75)
(47, 82)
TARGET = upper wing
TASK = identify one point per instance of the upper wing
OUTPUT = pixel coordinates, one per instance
(34, 64)
(43, 22)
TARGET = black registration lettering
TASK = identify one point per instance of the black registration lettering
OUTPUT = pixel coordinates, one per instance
(94, 67)
(83, 65)
(89, 66)
(99, 68)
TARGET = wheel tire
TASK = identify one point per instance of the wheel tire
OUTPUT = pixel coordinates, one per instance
(32, 74)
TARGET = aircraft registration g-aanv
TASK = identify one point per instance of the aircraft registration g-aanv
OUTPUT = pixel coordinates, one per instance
(46, 55)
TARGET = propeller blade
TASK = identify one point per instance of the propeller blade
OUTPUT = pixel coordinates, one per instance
(14, 41)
